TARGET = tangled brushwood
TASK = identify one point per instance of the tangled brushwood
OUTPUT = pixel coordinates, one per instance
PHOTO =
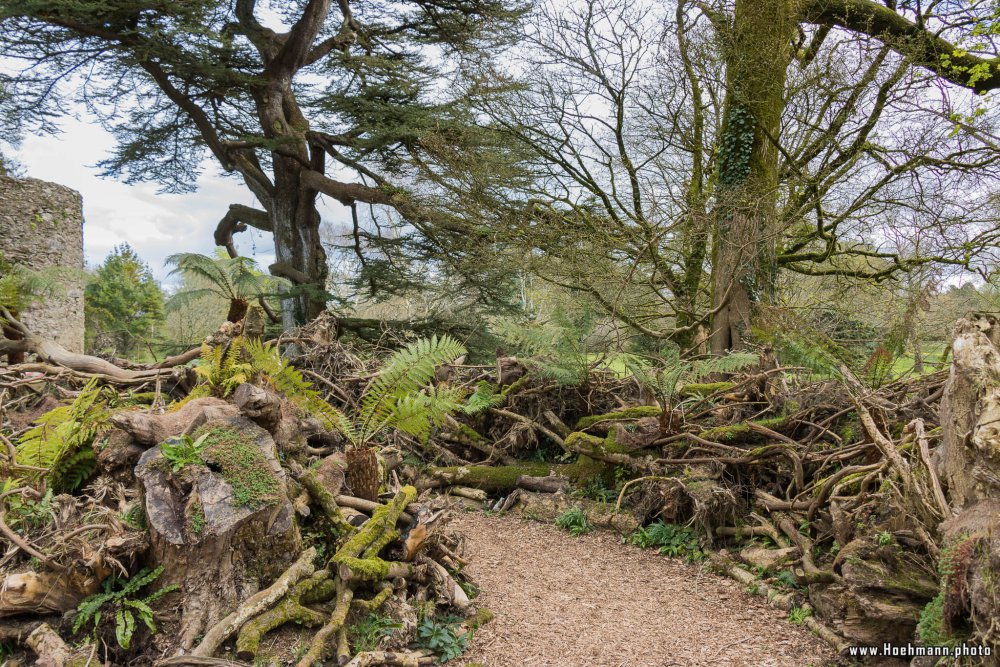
(287, 502)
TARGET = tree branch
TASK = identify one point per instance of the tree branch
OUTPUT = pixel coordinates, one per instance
(916, 43)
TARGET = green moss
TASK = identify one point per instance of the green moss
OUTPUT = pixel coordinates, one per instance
(516, 386)
(706, 389)
(492, 478)
(586, 469)
(370, 569)
(470, 432)
(242, 464)
(480, 618)
(197, 518)
(635, 412)
(930, 627)
(377, 531)
(741, 431)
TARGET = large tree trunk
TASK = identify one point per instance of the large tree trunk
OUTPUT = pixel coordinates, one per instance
(292, 211)
(758, 51)
(297, 247)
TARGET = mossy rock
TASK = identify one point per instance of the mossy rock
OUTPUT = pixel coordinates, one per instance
(636, 412)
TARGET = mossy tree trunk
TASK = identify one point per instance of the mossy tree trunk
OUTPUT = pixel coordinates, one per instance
(758, 51)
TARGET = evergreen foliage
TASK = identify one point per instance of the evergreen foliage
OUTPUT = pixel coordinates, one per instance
(386, 91)
(20, 287)
(123, 304)
(557, 348)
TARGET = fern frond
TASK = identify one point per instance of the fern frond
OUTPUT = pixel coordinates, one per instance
(405, 372)
(61, 433)
(485, 397)
(725, 364)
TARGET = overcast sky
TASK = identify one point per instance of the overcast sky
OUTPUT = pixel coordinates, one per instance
(156, 225)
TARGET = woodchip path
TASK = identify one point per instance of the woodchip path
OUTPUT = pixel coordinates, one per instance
(563, 601)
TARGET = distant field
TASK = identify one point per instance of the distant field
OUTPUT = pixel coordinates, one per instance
(932, 357)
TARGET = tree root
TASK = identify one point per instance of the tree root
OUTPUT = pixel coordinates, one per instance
(373, 658)
(290, 609)
(345, 593)
(255, 604)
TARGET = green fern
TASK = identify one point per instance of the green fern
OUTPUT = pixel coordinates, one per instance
(483, 398)
(224, 368)
(266, 364)
(666, 377)
(117, 600)
(400, 396)
(557, 350)
(391, 397)
(55, 442)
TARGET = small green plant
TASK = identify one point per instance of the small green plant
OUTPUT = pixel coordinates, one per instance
(118, 601)
(798, 615)
(595, 489)
(197, 519)
(439, 635)
(883, 539)
(787, 579)
(672, 540)
(753, 589)
(574, 520)
(666, 374)
(183, 450)
(470, 589)
(930, 627)
(62, 439)
(366, 632)
(27, 512)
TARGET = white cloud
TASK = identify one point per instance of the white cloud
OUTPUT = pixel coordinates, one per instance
(156, 225)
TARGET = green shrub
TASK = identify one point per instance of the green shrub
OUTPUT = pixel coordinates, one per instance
(574, 520)
(672, 540)
(440, 636)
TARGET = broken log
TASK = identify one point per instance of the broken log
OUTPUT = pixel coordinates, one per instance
(547, 484)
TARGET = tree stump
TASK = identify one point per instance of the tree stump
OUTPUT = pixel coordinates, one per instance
(222, 529)
(968, 461)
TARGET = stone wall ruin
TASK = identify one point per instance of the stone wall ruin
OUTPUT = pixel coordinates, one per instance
(41, 227)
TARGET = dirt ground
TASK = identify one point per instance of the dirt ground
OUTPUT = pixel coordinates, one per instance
(563, 601)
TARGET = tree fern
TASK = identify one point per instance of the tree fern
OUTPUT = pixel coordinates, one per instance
(556, 348)
(232, 278)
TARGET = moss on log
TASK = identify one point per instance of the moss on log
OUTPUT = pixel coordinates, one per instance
(636, 412)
